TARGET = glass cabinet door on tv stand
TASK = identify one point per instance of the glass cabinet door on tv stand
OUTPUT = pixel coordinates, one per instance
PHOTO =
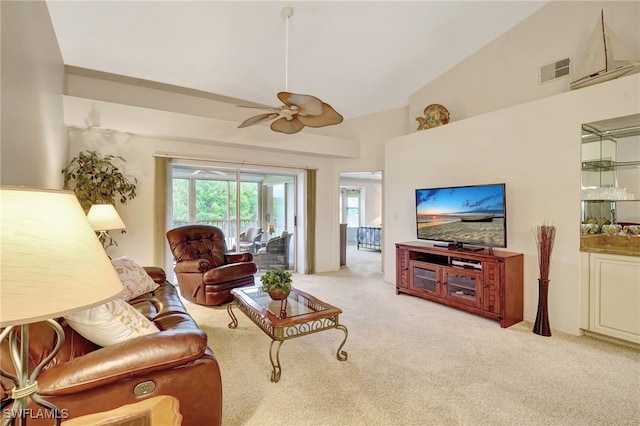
(463, 286)
(425, 278)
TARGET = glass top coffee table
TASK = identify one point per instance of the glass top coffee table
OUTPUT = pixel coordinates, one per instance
(298, 315)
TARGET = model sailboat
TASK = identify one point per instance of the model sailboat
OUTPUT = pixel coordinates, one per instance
(606, 58)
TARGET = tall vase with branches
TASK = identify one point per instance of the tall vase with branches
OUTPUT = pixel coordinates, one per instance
(545, 236)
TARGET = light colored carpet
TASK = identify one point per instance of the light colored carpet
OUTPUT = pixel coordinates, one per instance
(414, 362)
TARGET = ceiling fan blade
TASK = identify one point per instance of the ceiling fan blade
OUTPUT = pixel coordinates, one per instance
(328, 118)
(258, 119)
(307, 104)
(266, 108)
(283, 125)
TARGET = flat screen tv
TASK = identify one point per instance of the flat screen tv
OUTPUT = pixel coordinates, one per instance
(463, 216)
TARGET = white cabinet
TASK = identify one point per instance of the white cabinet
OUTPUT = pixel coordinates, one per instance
(614, 296)
(609, 241)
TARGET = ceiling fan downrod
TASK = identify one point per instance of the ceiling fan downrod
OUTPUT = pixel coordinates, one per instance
(287, 12)
(298, 110)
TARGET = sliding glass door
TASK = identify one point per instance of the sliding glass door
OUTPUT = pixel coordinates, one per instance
(250, 207)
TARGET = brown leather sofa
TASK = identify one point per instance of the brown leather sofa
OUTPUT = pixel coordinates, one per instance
(84, 378)
(206, 272)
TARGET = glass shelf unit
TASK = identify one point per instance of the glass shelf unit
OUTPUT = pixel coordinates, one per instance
(610, 185)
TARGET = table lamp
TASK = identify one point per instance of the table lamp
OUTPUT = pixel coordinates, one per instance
(272, 229)
(104, 218)
(52, 264)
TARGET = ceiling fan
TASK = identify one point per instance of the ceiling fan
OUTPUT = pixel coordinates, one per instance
(298, 110)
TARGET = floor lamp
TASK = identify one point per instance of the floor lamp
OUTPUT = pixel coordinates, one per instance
(104, 218)
(52, 264)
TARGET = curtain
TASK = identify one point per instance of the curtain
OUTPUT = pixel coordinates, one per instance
(310, 250)
(160, 210)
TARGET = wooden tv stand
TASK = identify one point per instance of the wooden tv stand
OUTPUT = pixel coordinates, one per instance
(475, 281)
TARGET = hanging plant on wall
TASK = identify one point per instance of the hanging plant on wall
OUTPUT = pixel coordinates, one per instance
(96, 179)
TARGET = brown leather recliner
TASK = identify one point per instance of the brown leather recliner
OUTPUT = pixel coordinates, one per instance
(206, 272)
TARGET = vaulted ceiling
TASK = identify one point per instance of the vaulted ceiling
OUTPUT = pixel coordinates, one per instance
(361, 57)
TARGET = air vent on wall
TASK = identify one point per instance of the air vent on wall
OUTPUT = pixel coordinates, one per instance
(555, 70)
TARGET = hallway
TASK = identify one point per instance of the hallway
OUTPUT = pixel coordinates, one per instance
(363, 262)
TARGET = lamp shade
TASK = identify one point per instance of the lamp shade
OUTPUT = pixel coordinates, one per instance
(104, 217)
(51, 262)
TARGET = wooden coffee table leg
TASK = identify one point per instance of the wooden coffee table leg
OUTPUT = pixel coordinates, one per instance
(234, 320)
(277, 369)
(342, 355)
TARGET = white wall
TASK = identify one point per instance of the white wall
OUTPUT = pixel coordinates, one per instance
(373, 204)
(505, 72)
(535, 149)
(33, 148)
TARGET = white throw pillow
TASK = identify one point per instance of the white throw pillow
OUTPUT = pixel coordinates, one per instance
(134, 278)
(111, 323)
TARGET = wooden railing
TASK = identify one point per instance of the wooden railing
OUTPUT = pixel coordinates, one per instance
(227, 226)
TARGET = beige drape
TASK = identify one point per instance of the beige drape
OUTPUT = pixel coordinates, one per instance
(160, 210)
(310, 249)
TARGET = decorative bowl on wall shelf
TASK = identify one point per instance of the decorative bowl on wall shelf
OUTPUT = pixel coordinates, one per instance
(434, 115)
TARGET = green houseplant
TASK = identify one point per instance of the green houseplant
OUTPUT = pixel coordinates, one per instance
(96, 179)
(277, 283)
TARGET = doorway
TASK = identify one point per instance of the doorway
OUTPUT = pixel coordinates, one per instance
(361, 212)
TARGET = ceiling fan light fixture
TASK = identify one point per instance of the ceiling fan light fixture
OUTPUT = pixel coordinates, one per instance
(307, 104)
(298, 110)
(288, 126)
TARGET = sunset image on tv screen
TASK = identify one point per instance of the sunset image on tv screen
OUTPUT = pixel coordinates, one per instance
(473, 215)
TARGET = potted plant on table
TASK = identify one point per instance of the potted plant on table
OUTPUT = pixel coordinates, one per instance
(277, 283)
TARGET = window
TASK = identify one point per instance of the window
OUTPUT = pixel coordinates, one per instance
(351, 207)
(180, 202)
(212, 200)
(213, 196)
